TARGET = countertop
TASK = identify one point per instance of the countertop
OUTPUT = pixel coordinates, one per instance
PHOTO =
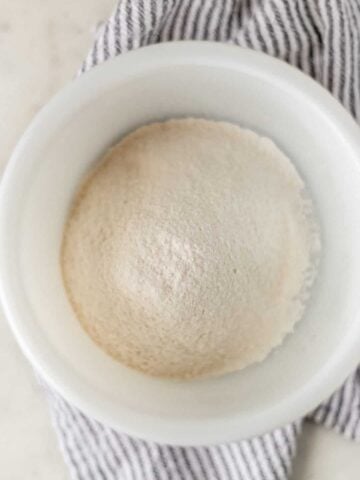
(42, 43)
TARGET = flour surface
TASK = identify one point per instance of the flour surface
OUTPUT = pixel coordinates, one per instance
(189, 251)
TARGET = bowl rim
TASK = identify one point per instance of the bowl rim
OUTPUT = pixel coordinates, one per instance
(66, 103)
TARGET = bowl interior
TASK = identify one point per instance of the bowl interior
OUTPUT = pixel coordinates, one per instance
(245, 88)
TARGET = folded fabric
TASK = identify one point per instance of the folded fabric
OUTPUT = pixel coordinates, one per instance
(322, 39)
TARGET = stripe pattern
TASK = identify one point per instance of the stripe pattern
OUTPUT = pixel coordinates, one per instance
(94, 451)
(322, 39)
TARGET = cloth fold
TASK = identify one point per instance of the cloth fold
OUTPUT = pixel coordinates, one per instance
(322, 39)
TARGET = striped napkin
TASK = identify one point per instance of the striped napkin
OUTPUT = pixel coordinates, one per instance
(322, 38)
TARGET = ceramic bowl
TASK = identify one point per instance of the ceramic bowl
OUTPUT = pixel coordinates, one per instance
(73, 131)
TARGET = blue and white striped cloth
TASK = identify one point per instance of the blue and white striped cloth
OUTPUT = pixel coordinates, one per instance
(322, 38)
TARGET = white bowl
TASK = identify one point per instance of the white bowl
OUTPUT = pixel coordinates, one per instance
(74, 130)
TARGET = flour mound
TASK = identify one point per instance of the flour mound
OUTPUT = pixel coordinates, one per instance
(189, 250)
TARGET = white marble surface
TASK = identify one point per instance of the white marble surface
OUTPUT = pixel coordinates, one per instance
(42, 43)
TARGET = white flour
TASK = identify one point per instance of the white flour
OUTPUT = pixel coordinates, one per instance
(187, 250)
